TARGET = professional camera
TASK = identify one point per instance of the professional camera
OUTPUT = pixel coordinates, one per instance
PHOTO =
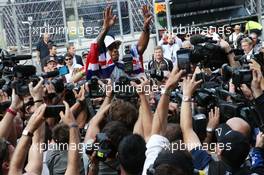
(206, 51)
(23, 75)
(123, 89)
(128, 60)
(102, 146)
(95, 89)
(10, 60)
(157, 74)
(239, 75)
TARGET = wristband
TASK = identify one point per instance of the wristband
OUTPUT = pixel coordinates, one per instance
(210, 130)
(27, 133)
(38, 101)
(73, 125)
(11, 111)
(186, 99)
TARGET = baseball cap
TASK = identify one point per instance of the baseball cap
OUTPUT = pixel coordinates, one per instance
(236, 145)
(109, 40)
(50, 59)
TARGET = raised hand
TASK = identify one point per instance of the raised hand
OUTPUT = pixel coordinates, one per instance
(174, 78)
(17, 102)
(256, 83)
(109, 18)
(214, 118)
(189, 85)
(67, 116)
(36, 119)
(37, 91)
(147, 16)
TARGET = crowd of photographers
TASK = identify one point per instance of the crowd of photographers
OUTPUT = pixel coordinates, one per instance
(198, 109)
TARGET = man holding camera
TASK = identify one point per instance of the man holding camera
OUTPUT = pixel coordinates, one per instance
(103, 59)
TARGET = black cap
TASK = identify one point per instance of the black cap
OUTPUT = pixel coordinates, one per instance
(50, 59)
(235, 146)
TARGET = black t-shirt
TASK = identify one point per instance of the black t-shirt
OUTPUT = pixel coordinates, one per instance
(42, 47)
(164, 65)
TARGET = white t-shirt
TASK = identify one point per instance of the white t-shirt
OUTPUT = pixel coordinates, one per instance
(155, 144)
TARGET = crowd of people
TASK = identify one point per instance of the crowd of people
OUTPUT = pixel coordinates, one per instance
(177, 124)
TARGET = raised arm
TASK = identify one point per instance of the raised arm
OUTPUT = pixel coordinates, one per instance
(74, 161)
(189, 136)
(7, 122)
(160, 117)
(35, 155)
(144, 37)
(144, 123)
(109, 21)
(93, 128)
(20, 154)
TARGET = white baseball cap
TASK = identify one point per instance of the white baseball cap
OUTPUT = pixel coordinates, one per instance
(110, 40)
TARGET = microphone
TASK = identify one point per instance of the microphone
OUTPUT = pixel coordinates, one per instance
(198, 39)
(21, 71)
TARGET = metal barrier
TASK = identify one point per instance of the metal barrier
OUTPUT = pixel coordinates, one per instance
(65, 20)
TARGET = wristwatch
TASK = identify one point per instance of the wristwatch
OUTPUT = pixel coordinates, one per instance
(166, 92)
(186, 99)
(27, 133)
(210, 130)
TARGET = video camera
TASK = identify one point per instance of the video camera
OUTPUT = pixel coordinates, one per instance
(128, 60)
(206, 51)
(239, 76)
(102, 146)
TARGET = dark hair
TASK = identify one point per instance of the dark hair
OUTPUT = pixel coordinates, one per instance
(179, 162)
(4, 152)
(173, 132)
(68, 55)
(131, 153)
(60, 133)
(124, 112)
(51, 45)
(115, 131)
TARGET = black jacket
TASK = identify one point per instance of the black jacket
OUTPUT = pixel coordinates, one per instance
(79, 59)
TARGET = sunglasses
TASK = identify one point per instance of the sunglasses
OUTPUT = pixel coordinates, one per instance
(67, 59)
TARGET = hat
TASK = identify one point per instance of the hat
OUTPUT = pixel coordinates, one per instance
(50, 59)
(110, 40)
(236, 145)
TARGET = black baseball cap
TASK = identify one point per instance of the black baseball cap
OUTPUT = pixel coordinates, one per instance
(235, 146)
(50, 59)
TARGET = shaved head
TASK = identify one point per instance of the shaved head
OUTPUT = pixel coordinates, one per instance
(240, 125)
